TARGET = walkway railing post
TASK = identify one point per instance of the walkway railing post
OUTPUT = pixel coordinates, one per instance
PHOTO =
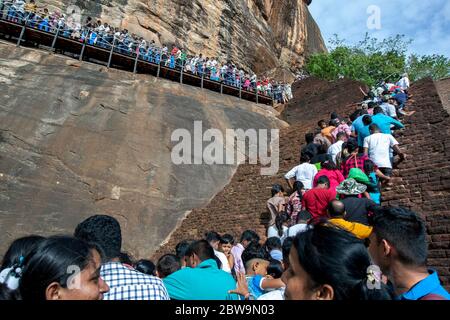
(240, 91)
(22, 32)
(55, 38)
(159, 69)
(181, 74)
(136, 61)
(256, 92)
(82, 49)
(111, 53)
(203, 76)
(221, 87)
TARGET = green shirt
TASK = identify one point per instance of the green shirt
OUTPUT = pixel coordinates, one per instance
(205, 282)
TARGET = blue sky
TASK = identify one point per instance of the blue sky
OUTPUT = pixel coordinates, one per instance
(427, 22)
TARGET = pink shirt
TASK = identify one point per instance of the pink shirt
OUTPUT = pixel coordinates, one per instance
(335, 177)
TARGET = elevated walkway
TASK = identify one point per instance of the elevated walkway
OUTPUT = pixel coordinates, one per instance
(23, 34)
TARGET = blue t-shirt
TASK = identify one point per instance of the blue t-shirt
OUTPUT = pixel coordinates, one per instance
(384, 122)
(255, 285)
(361, 129)
(429, 285)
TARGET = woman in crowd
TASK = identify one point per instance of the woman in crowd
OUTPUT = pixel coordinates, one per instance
(294, 205)
(62, 268)
(280, 228)
(327, 263)
(12, 263)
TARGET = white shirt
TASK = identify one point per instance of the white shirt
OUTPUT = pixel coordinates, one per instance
(222, 257)
(277, 294)
(301, 227)
(334, 149)
(272, 231)
(304, 173)
(379, 145)
(389, 110)
(404, 83)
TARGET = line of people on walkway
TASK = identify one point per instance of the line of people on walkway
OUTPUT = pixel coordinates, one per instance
(103, 35)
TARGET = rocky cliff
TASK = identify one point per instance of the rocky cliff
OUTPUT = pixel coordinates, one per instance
(262, 35)
(76, 140)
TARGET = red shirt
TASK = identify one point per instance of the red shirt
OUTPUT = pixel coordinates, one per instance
(316, 201)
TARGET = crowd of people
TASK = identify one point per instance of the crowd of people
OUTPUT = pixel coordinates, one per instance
(328, 239)
(104, 35)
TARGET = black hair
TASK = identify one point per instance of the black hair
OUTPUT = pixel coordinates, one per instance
(303, 216)
(275, 269)
(405, 231)
(336, 208)
(276, 188)
(19, 248)
(14, 257)
(304, 157)
(202, 249)
(369, 166)
(373, 127)
(367, 120)
(321, 122)
(323, 180)
(254, 251)
(181, 248)
(126, 258)
(372, 104)
(298, 187)
(227, 239)
(272, 243)
(329, 165)
(334, 115)
(281, 218)
(286, 248)
(340, 135)
(334, 122)
(355, 115)
(309, 137)
(212, 236)
(145, 266)
(335, 257)
(167, 265)
(49, 261)
(250, 236)
(103, 230)
(377, 110)
(351, 146)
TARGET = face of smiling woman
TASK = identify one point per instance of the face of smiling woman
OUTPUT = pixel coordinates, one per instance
(86, 285)
(298, 282)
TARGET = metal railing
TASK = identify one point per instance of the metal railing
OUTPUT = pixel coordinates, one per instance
(182, 64)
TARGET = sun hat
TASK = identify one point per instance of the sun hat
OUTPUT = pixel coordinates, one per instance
(350, 187)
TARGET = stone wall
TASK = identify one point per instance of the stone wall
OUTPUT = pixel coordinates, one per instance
(422, 182)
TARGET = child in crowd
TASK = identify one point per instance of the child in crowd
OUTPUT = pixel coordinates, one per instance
(146, 266)
(225, 246)
(256, 261)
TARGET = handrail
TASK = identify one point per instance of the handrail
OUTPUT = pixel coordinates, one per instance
(148, 53)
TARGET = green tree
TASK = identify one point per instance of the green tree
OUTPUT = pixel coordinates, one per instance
(372, 60)
(434, 66)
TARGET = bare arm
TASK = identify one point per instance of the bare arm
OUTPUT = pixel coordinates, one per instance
(399, 152)
(289, 182)
(381, 175)
(272, 284)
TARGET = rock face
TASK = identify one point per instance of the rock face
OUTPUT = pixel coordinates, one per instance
(242, 204)
(77, 140)
(262, 35)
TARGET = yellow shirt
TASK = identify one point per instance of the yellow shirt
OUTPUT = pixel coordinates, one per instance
(359, 230)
